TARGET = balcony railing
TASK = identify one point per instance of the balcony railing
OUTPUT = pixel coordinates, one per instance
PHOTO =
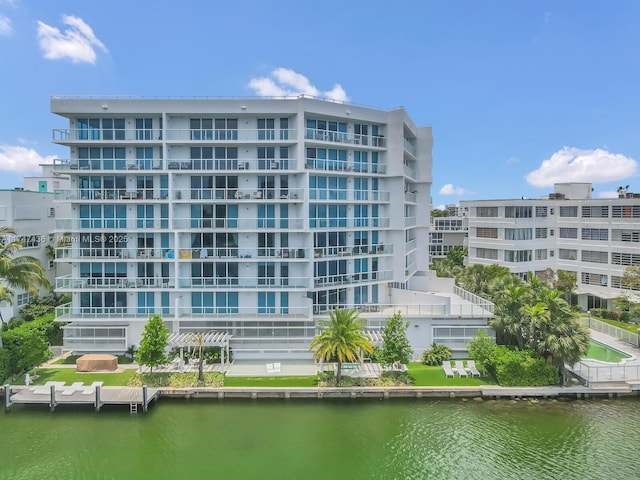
(239, 223)
(351, 278)
(354, 250)
(349, 222)
(344, 137)
(344, 166)
(242, 253)
(232, 135)
(348, 195)
(410, 147)
(260, 194)
(111, 194)
(67, 135)
(243, 282)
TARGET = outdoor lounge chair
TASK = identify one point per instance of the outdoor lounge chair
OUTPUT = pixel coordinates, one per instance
(448, 371)
(471, 368)
(460, 368)
(92, 388)
(75, 387)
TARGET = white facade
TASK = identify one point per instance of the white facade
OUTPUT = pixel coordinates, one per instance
(32, 215)
(446, 234)
(594, 238)
(249, 216)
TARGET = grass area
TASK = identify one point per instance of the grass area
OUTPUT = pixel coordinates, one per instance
(69, 375)
(270, 382)
(426, 376)
(631, 327)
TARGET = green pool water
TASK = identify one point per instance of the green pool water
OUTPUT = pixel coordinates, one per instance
(599, 351)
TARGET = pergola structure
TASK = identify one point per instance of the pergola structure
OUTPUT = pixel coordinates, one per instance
(206, 339)
(374, 336)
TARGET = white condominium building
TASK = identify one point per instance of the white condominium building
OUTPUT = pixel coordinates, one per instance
(594, 238)
(247, 217)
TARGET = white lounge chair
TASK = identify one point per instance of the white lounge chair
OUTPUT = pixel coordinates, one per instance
(448, 371)
(92, 388)
(471, 368)
(75, 387)
(460, 368)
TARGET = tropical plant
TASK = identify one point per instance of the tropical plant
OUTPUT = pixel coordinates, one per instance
(436, 355)
(341, 338)
(627, 309)
(153, 343)
(24, 272)
(481, 279)
(396, 348)
(198, 339)
(631, 277)
(483, 349)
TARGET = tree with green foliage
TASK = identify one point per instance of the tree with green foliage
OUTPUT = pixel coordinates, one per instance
(436, 355)
(198, 339)
(627, 310)
(396, 348)
(481, 279)
(27, 346)
(562, 280)
(153, 343)
(453, 264)
(24, 272)
(341, 339)
(482, 349)
(631, 277)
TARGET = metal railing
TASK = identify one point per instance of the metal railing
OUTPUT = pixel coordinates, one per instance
(344, 137)
(611, 330)
(344, 166)
(474, 299)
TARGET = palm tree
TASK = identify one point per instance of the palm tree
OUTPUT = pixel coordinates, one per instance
(341, 338)
(198, 339)
(24, 272)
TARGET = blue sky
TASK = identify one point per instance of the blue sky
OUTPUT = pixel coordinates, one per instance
(519, 94)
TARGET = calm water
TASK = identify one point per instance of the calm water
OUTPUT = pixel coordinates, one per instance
(592, 439)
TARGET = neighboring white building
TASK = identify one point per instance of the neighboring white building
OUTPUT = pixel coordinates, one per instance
(250, 217)
(32, 215)
(446, 234)
(50, 181)
(568, 230)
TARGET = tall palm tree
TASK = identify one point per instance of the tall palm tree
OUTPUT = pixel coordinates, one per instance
(24, 272)
(341, 338)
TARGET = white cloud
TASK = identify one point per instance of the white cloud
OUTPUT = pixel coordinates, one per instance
(5, 26)
(576, 165)
(77, 42)
(285, 82)
(449, 189)
(440, 207)
(21, 160)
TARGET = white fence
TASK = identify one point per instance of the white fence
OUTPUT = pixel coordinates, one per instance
(617, 332)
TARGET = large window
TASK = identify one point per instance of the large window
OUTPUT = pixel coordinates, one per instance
(600, 234)
(628, 259)
(593, 256)
(105, 158)
(541, 212)
(595, 211)
(568, 232)
(326, 130)
(486, 232)
(567, 254)
(517, 233)
(625, 211)
(587, 278)
(327, 188)
(625, 235)
(484, 212)
(541, 232)
(517, 255)
(92, 128)
(488, 253)
(517, 212)
(569, 211)
(266, 128)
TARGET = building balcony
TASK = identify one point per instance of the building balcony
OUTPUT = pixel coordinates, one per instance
(410, 148)
(355, 250)
(251, 194)
(235, 283)
(344, 166)
(314, 135)
(250, 224)
(352, 278)
(247, 254)
(349, 195)
(260, 314)
(232, 135)
(379, 222)
(108, 194)
(71, 136)
(232, 164)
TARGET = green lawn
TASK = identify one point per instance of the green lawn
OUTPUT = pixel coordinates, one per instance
(270, 382)
(426, 376)
(69, 375)
(71, 360)
(631, 327)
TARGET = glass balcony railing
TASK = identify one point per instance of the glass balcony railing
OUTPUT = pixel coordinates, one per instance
(344, 166)
(260, 194)
(244, 282)
(355, 250)
(378, 222)
(69, 135)
(232, 135)
(239, 223)
(349, 195)
(351, 278)
(344, 137)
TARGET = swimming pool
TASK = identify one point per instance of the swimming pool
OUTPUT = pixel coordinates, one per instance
(604, 353)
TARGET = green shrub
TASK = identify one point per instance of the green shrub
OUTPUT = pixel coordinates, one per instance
(521, 368)
(177, 380)
(436, 355)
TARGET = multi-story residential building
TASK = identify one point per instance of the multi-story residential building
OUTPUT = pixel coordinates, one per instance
(594, 238)
(446, 234)
(248, 217)
(32, 215)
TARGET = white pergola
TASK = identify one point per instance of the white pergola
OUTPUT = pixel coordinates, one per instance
(374, 336)
(207, 339)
